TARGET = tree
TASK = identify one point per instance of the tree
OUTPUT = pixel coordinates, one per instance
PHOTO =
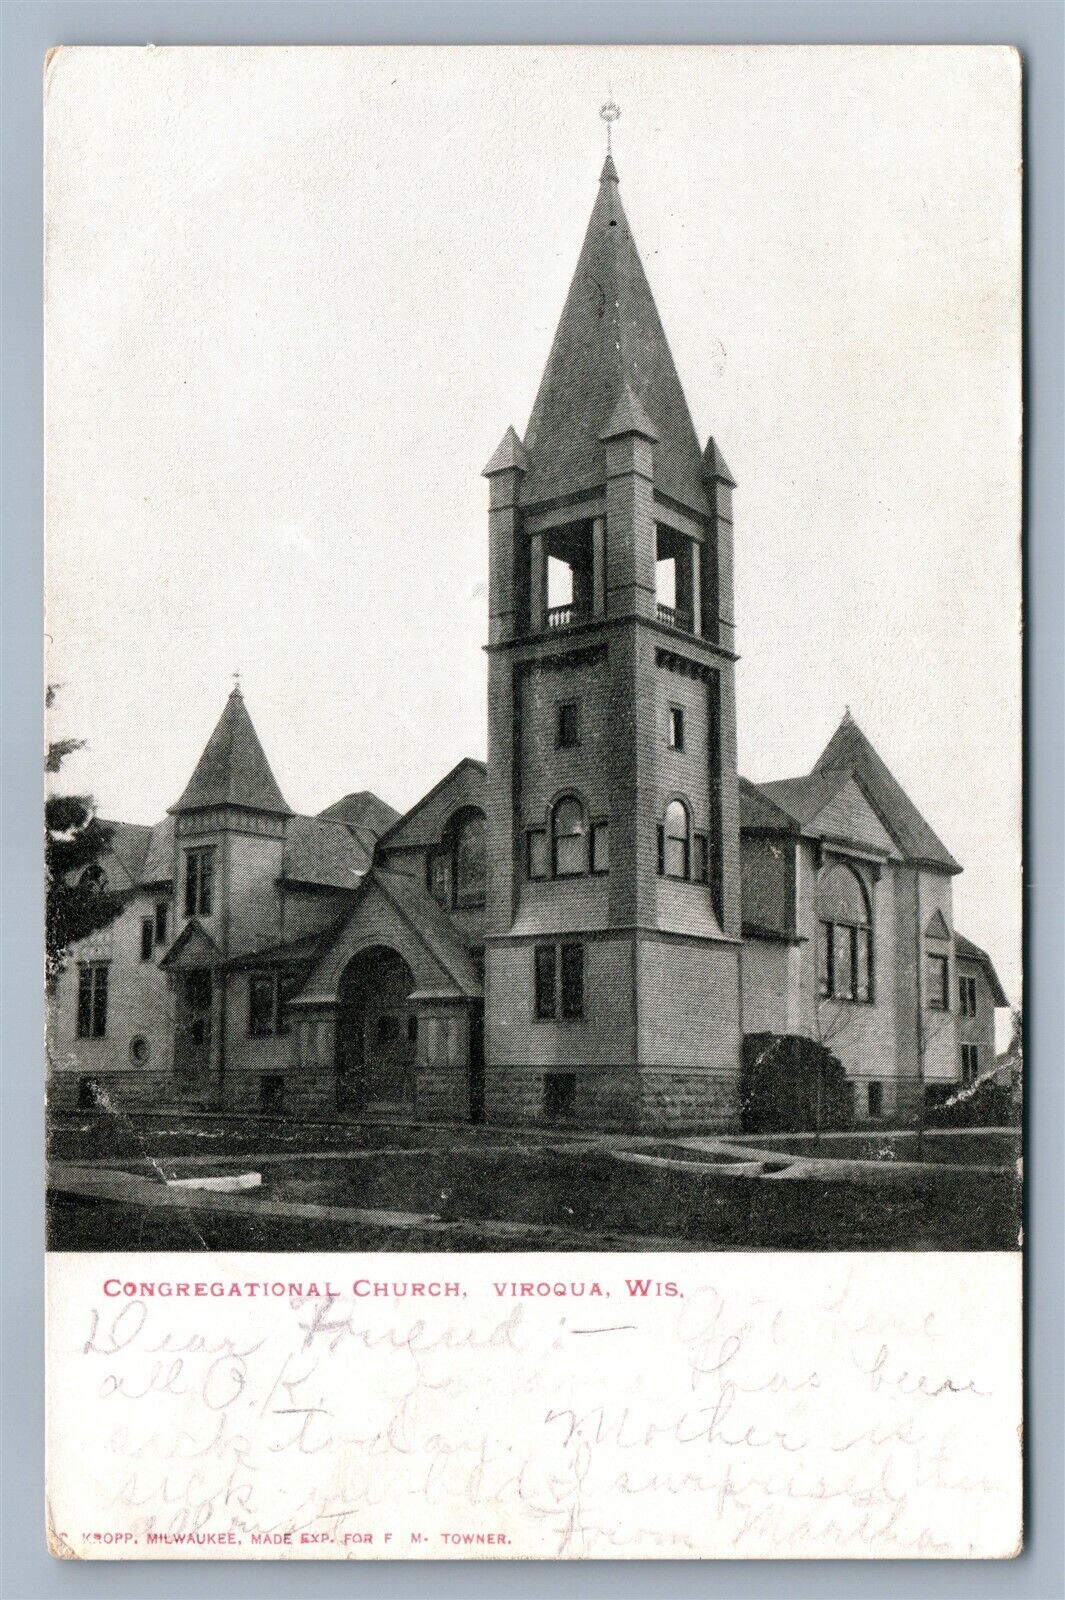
(78, 900)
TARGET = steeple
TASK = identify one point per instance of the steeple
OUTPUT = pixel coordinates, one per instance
(233, 770)
(610, 336)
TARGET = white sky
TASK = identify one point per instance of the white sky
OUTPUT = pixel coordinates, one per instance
(295, 297)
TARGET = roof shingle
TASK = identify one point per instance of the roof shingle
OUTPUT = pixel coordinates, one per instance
(610, 335)
(233, 769)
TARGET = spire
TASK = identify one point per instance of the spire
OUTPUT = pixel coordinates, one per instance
(629, 416)
(609, 336)
(715, 466)
(508, 455)
(233, 770)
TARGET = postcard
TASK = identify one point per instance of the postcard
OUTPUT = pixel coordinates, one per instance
(535, 1043)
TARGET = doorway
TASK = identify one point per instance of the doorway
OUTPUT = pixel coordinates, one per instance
(376, 1034)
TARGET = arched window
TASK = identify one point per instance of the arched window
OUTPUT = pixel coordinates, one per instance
(676, 841)
(456, 868)
(844, 936)
(568, 850)
(469, 857)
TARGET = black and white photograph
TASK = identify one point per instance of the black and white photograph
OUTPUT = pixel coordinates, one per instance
(534, 771)
(534, 724)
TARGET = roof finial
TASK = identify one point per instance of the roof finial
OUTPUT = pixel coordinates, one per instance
(236, 683)
(610, 111)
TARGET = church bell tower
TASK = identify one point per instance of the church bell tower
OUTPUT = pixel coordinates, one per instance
(613, 913)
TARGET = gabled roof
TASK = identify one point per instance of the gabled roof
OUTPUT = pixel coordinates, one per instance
(293, 953)
(757, 810)
(233, 770)
(159, 861)
(407, 899)
(830, 806)
(364, 811)
(965, 950)
(327, 854)
(849, 750)
(609, 335)
(129, 846)
(193, 947)
(936, 927)
(432, 925)
(471, 793)
(803, 798)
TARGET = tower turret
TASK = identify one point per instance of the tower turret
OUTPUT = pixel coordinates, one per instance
(613, 906)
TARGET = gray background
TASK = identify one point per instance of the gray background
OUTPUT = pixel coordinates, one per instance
(26, 31)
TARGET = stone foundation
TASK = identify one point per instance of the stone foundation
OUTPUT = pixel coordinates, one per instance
(625, 1098)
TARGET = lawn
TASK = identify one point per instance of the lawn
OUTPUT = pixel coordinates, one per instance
(495, 1190)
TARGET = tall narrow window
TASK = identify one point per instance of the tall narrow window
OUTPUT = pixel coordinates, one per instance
(843, 962)
(844, 936)
(824, 958)
(545, 981)
(600, 847)
(938, 991)
(92, 1000)
(262, 989)
(539, 855)
(470, 861)
(572, 981)
(862, 963)
(568, 727)
(147, 937)
(440, 878)
(676, 856)
(676, 727)
(700, 860)
(568, 838)
(161, 910)
(199, 882)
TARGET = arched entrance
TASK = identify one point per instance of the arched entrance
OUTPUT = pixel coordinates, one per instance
(376, 1033)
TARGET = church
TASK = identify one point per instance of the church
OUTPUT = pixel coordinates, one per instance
(602, 924)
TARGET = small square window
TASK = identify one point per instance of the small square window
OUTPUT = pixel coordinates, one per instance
(271, 1093)
(560, 1095)
(88, 1094)
(676, 728)
(568, 731)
